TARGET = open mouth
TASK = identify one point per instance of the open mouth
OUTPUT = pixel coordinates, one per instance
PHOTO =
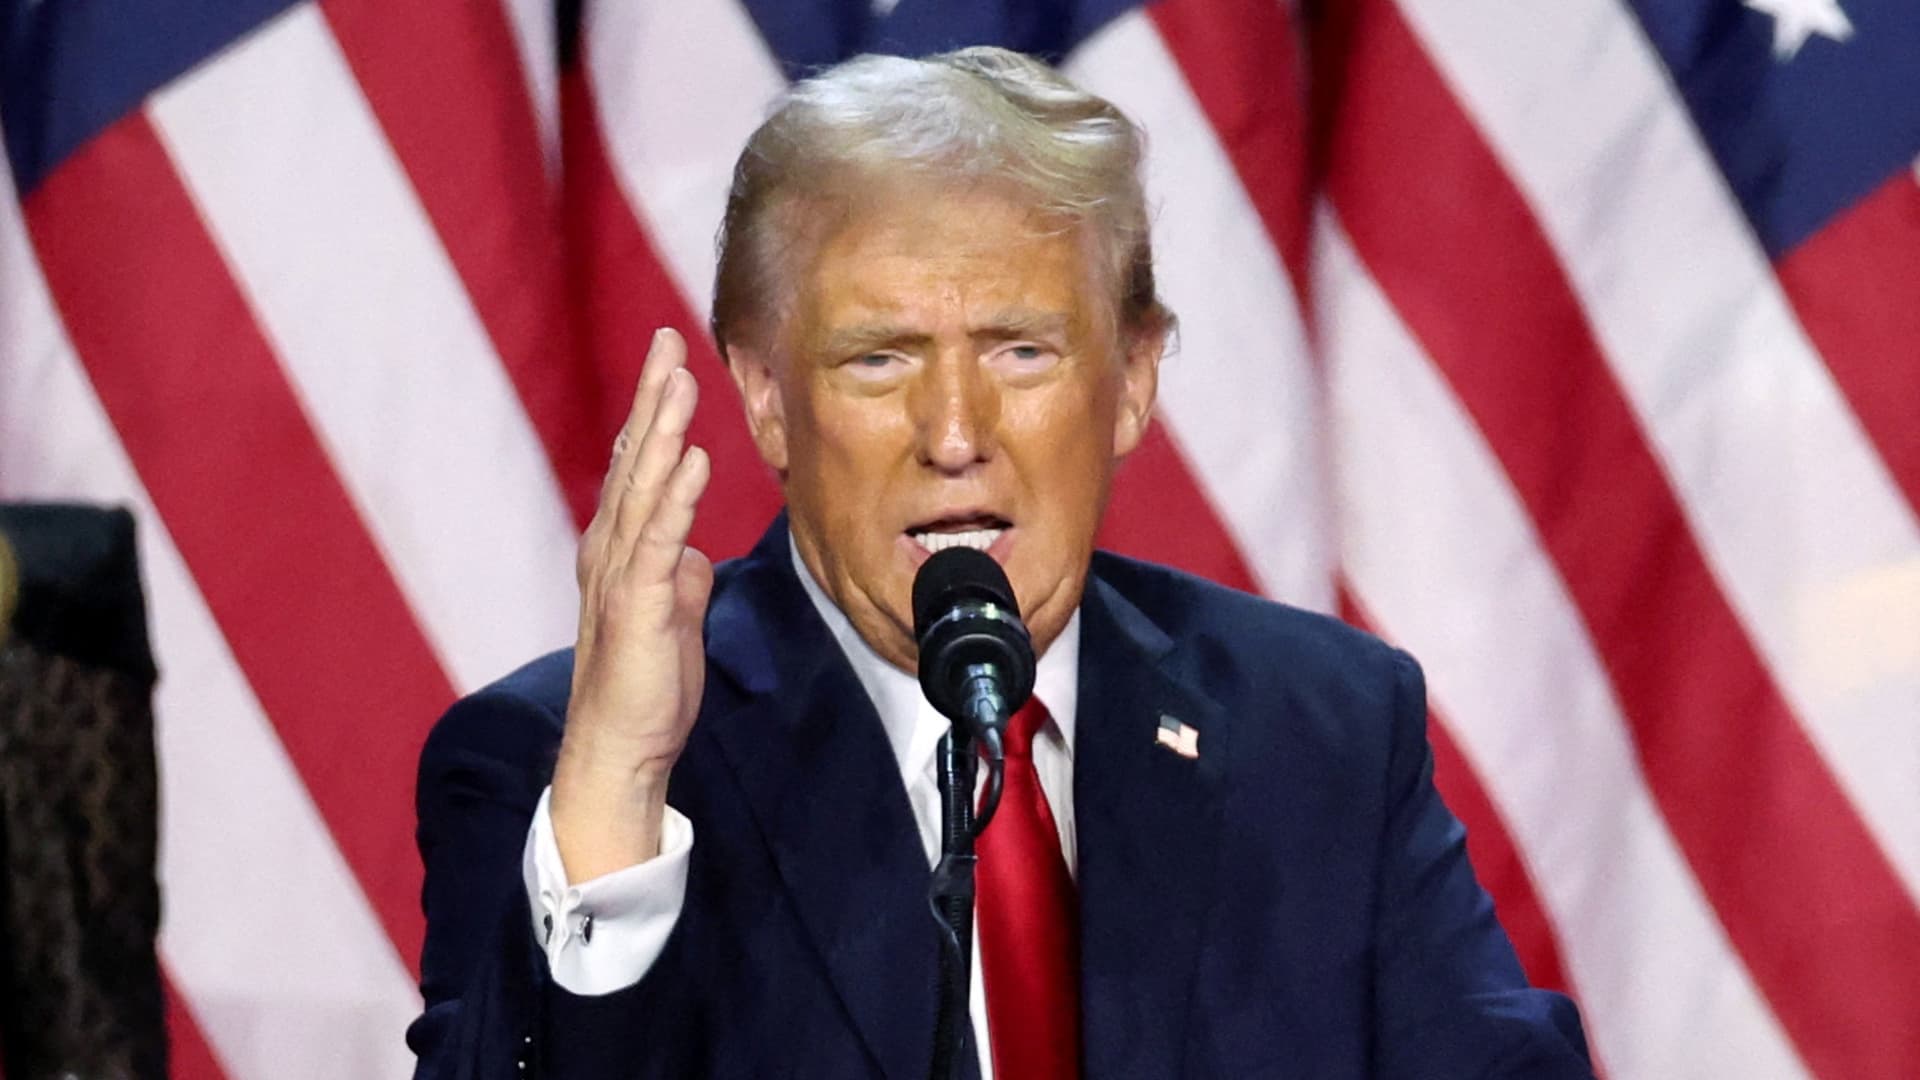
(977, 531)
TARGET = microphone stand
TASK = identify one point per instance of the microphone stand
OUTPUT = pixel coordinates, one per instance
(951, 894)
(951, 889)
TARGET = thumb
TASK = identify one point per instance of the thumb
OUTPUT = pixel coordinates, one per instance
(692, 583)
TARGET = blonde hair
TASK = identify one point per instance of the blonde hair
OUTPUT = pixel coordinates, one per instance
(978, 114)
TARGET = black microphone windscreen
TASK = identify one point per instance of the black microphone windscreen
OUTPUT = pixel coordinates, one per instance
(955, 575)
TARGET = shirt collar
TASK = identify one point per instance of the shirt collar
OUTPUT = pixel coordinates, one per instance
(913, 726)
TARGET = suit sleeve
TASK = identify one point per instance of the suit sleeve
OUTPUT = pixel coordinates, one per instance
(493, 1010)
(1452, 1000)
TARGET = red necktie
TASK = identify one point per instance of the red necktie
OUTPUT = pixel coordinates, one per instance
(1029, 924)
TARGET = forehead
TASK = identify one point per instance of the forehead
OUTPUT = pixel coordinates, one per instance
(943, 257)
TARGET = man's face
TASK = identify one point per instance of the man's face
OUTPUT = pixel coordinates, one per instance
(950, 372)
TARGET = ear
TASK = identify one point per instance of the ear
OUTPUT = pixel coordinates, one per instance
(761, 396)
(1139, 383)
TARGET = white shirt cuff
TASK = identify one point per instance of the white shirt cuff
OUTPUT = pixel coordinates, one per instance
(604, 935)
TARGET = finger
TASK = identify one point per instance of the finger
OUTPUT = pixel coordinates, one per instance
(666, 354)
(664, 537)
(653, 462)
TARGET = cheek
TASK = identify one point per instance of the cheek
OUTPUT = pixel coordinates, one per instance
(859, 437)
(844, 457)
(1070, 423)
(826, 424)
(1065, 454)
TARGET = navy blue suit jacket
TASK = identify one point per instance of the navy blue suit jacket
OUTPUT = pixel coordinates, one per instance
(1294, 903)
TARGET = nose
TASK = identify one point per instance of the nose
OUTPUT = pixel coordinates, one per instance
(957, 410)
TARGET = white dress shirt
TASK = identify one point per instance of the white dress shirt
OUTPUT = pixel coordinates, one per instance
(631, 912)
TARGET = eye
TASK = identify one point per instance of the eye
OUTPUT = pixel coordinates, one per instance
(1024, 358)
(875, 367)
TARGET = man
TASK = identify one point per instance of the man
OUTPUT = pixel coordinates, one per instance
(698, 843)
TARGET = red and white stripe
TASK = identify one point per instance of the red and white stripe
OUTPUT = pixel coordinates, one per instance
(1787, 497)
(284, 967)
(1479, 601)
(368, 318)
(1240, 392)
(1535, 407)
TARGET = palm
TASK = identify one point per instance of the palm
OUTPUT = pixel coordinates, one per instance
(639, 663)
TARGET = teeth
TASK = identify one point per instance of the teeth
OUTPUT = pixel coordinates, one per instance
(977, 539)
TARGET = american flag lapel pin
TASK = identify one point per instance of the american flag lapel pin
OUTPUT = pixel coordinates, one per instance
(1180, 738)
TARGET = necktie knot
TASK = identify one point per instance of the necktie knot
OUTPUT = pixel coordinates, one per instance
(1023, 726)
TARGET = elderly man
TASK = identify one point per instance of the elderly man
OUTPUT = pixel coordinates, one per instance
(698, 843)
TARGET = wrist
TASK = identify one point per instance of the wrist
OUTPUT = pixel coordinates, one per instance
(617, 744)
(606, 818)
(632, 766)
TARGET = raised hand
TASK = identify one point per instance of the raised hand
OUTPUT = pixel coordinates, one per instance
(639, 665)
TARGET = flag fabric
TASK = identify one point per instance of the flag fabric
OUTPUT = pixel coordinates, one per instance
(1574, 347)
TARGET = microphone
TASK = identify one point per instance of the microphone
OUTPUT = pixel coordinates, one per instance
(976, 668)
(976, 660)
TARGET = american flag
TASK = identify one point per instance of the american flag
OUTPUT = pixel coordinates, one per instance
(1574, 346)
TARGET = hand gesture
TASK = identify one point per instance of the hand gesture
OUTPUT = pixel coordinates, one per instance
(639, 665)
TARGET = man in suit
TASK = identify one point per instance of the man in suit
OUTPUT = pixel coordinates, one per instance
(698, 843)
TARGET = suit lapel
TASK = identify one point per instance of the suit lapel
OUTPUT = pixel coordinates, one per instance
(1147, 820)
(822, 783)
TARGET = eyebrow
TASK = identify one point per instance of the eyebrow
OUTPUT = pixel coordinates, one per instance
(1020, 324)
(1003, 326)
(869, 337)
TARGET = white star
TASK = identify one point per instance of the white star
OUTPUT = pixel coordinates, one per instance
(1793, 20)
